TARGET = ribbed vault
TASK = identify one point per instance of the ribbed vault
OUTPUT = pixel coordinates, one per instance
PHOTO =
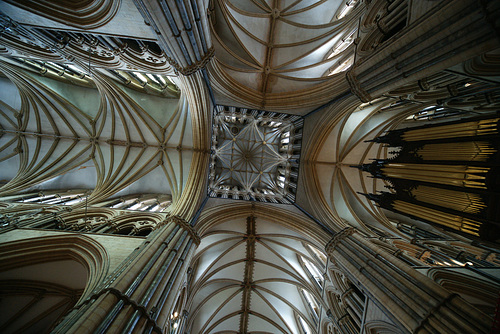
(53, 139)
(275, 47)
(111, 131)
(343, 140)
(250, 277)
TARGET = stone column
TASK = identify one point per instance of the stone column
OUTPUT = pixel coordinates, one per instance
(449, 33)
(183, 31)
(141, 289)
(412, 300)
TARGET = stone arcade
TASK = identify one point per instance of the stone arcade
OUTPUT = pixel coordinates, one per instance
(249, 166)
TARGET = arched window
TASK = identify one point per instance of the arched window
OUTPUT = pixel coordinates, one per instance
(317, 254)
(342, 65)
(344, 10)
(313, 271)
(304, 327)
(139, 202)
(52, 197)
(312, 304)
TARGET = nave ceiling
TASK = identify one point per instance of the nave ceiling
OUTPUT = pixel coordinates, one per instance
(115, 130)
(101, 139)
(280, 48)
(251, 274)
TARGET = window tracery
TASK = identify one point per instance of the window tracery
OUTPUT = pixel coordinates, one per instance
(313, 271)
(304, 326)
(312, 303)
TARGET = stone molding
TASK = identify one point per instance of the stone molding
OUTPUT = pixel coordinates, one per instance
(182, 223)
(339, 236)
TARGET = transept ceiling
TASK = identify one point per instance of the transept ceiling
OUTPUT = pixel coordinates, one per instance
(102, 140)
(277, 48)
(258, 268)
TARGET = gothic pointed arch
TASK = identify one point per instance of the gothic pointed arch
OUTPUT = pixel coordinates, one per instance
(42, 279)
(86, 14)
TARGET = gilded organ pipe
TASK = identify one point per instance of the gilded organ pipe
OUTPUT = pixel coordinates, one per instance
(466, 151)
(445, 174)
(467, 129)
(460, 175)
(457, 200)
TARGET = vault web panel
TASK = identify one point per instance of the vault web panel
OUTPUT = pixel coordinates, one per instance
(255, 155)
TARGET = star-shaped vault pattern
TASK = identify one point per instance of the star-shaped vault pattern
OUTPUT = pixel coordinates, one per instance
(254, 155)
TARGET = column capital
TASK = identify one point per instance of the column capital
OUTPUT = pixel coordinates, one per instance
(355, 86)
(182, 223)
(188, 70)
(332, 244)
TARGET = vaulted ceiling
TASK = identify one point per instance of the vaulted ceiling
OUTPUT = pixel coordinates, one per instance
(107, 139)
(271, 48)
(252, 272)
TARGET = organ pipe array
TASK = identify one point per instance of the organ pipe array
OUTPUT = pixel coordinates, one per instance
(445, 174)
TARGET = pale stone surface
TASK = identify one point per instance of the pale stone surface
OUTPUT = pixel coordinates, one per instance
(117, 247)
(127, 22)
